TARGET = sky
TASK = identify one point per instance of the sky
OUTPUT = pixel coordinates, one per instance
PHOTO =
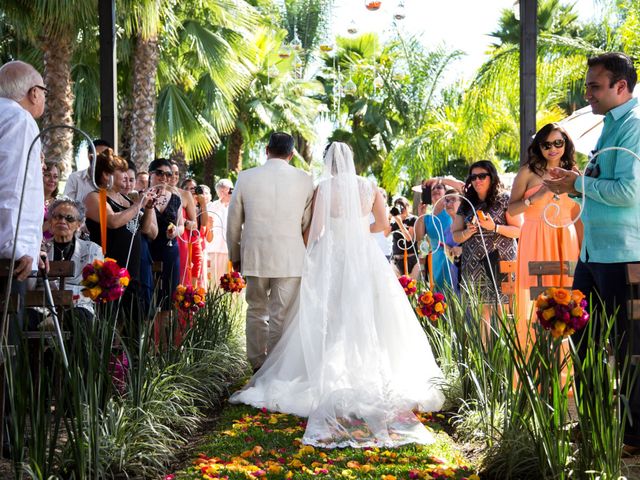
(461, 24)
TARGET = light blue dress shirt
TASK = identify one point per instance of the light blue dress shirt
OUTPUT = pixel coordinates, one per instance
(612, 206)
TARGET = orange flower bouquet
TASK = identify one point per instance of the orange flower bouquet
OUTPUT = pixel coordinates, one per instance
(189, 299)
(408, 284)
(232, 282)
(104, 281)
(431, 305)
(562, 311)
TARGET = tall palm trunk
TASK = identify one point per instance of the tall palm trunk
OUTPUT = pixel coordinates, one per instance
(209, 165)
(57, 145)
(234, 151)
(143, 115)
(304, 148)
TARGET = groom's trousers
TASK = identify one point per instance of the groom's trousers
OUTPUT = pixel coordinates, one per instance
(271, 302)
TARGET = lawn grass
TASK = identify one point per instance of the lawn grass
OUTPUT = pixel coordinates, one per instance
(251, 443)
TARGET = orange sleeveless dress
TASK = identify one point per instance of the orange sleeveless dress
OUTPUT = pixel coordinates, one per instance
(540, 242)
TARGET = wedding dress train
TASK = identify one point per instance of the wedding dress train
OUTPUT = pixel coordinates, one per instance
(353, 359)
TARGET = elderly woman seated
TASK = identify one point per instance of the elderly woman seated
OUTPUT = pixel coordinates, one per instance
(66, 216)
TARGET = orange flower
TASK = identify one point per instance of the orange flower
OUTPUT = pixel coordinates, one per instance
(562, 296)
(549, 313)
(427, 298)
(577, 296)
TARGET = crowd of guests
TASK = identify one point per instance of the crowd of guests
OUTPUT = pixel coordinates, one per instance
(152, 219)
(470, 226)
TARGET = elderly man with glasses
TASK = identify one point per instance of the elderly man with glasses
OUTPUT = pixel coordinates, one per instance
(22, 100)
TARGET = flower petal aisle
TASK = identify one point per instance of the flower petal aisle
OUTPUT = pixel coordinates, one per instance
(250, 443)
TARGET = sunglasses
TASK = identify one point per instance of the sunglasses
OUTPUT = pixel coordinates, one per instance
(44, 89)
(556, 143)
(478, 176)
(68, 218)
(163, 173)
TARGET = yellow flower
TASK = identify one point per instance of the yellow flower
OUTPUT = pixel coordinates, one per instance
(274, 468)
(438, 307)
(558, 329)
(542, 302)
(562, 296)
(576, 312)
(549, 313)
(388, 477)
(94, 292)
(124, 281)
(197, 298)
(180, 297)
(93, 278)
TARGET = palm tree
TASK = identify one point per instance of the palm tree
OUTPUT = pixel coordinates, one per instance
(53, 28)
(275, 99)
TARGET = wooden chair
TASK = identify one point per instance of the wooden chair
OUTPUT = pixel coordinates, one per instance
(61, 298)
(509, 287)
(540, 269)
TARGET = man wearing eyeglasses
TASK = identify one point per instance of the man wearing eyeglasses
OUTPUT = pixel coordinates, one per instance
(22, 100)
(610, 189)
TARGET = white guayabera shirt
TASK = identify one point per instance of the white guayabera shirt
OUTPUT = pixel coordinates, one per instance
(17, 131)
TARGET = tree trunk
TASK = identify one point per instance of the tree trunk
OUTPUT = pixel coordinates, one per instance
(143, 112)
(179, 158)
(57, 145)
(124, 144)
(304, 148)
(234, 151)
(208, 163)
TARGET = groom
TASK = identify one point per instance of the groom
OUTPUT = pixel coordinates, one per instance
(269, 210)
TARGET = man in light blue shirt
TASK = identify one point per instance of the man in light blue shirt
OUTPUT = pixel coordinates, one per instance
(610, 189)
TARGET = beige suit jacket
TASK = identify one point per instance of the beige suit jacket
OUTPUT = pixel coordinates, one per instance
(269, 210)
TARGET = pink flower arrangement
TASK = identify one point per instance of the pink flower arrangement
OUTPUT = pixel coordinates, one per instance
(562, 311)
(431, 305)
(189, 299)
(408, 284)
(232, 282)
(104, 281)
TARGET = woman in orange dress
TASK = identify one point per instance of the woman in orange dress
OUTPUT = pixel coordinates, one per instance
(551, 147)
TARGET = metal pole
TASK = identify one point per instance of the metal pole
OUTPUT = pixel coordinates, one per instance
(528, 56)
(108, 78)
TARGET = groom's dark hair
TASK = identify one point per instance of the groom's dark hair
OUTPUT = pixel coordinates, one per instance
(280, 144)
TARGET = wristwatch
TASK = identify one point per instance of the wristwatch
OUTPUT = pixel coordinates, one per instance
(527, 202)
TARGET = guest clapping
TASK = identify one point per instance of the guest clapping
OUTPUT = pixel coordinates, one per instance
(499, 231)
(552, 147)
(403, 238)
(125, 218)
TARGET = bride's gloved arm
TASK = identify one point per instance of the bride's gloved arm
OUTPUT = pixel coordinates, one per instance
(381, 221)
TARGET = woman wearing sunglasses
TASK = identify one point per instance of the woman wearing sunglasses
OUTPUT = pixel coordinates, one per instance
(551, 147)
(499, 231)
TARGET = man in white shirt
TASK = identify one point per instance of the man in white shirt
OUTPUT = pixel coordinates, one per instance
(22, 100)
(79, 183)
(217, 251)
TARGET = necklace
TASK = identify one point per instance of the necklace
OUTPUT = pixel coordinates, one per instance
(66, 251)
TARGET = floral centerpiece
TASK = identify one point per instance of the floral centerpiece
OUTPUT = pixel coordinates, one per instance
(408, 284)
(189, 299)
(104, 281)
(562, 311)
(431, 305)
(232, 282)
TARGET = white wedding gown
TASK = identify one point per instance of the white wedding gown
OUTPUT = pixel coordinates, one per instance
(353, 359)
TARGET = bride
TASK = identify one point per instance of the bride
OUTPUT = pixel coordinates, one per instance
(353, 358)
